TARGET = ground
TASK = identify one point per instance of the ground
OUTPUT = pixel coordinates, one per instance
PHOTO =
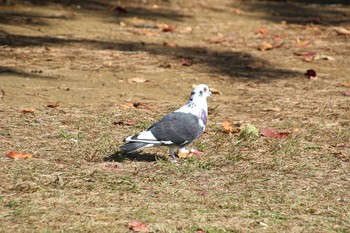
(77, 77)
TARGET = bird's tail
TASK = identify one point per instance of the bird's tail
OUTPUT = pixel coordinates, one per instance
(133, 146)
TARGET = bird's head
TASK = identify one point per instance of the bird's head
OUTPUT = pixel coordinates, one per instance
(200, 92)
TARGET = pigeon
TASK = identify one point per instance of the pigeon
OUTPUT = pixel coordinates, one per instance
(177, 129)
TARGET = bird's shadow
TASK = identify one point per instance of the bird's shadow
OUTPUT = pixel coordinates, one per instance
(121, 156)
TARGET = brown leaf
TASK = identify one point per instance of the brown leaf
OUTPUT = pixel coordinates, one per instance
(144, 105)
(271, 133)
(138, 80)
(185, 62)
(261, 31)
(227, 126)
(200, 230)
(127, 123)
(272, 109)
(189, 154)
(137, 226)
(53, 105)
(17, 155)
(169, 28)
(265, 46)
(302, 44)
(27, 110)
(346, 84)
(171, 45)
(127, 105)
(342, 31)
(215, 91)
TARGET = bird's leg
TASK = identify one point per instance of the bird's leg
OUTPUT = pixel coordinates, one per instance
(172, 153)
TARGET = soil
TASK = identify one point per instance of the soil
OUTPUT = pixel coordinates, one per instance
(93, 58)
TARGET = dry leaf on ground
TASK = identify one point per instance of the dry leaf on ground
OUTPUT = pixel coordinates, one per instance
(342, 31)
(53, 105)
(137, 226)
(127, 123)
(346, 84)
(265, 46)
(189, 154)
(185, 62)
(17, 155)
(138, 80)
(169, 28)
(302, 44)
(144, 105)
(262, 31)
(127, 105)
(227, 126)
(215, 91)
(271, 133)
(27, 110)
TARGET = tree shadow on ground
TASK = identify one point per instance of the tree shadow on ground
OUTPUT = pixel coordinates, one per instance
(234, 64)
(121, 156)
(18, 73)
(299, 11)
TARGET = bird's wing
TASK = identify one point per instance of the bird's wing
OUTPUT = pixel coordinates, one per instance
(177, 128)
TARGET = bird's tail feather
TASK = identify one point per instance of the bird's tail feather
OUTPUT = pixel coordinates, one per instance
(133, 146)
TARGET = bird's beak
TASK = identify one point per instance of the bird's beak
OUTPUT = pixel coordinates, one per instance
(210, 94)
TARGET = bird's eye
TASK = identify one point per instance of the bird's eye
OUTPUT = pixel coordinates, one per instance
(205, 89)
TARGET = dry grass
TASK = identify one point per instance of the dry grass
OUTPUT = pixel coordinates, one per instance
(292, 184)
(77, 181)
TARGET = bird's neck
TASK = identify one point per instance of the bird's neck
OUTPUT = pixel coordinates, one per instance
(195, 107)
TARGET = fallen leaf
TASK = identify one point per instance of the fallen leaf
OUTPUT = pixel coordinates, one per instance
(346, 93)
(137, 226)
(311, 74)
(127, 123)
(217, 40)
(171, 45)
(271, 133)
(307, 56)
(346, 84)
(28, 110)
(144, 105)
(200, 230)
(138, 80)
(168, 28)
(185, 62)
(261, 31)
(127, 105)
(249, 131)
(323, 57)
(227, 126)
(17, 155)
(53, 105)
(272, 109)
(342, 31)
(265, 46)
(302, 44)
(215, 91)
(189, 154)
(276, 38)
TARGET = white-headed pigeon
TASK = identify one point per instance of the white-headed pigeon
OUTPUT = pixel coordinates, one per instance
(177, 129)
